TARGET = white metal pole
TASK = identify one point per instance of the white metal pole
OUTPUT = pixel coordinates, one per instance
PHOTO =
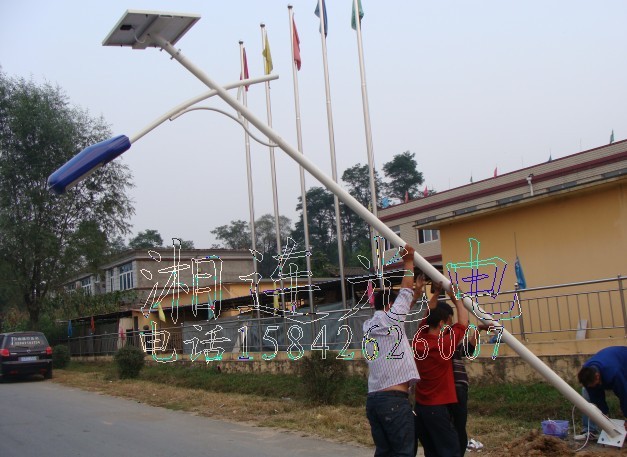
(192, 101)
(369, 149)
(275, 197)
(561, 385)
(249, 172)
(338, 216)
(299, 140)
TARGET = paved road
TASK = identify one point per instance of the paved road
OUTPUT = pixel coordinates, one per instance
(40, 418)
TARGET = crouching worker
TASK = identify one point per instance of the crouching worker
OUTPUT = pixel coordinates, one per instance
(606, 370)
(391, 369)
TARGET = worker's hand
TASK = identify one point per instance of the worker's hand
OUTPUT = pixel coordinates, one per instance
(408, 255)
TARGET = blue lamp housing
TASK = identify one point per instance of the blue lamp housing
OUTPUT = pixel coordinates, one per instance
(86, 162)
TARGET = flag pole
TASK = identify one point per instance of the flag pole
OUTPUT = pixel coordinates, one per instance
(249, 172)
(299, 139)
(275, 197)
(367, 126)
(338, 222)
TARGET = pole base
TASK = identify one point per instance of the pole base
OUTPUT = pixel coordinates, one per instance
(618, 440)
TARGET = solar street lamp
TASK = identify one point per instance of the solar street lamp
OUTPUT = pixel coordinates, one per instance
(143, 29)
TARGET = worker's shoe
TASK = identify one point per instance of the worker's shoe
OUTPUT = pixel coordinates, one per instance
(474, 445)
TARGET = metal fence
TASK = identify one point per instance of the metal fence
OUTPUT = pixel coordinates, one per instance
(567, 311)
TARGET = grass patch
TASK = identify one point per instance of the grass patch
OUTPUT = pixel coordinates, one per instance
(525, 403)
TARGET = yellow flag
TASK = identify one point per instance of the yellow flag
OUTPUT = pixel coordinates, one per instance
(161, 313)
(267, 57)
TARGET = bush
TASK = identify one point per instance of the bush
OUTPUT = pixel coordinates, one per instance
(60, 356)
(130, 361)
(322, 378)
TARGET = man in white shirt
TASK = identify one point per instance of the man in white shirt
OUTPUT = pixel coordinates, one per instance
(392, 369)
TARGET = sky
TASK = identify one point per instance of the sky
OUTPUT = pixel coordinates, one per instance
(467, 86)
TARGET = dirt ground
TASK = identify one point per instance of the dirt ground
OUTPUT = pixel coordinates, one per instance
(535, 444)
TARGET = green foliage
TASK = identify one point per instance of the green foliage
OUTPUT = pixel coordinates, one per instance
(236, 235)
(60, 356)
(130, 361)
(148, 239)
(46, 238)
(403, 175)
(70, 305)
(322, 378)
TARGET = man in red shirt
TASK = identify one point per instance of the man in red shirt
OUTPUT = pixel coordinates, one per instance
(434, 345)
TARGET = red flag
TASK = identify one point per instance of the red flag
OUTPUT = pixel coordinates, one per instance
(370, 294)
(93, 325)
(296, 45)
(425, 193)
(406, 196)
(245, 76)
(495, 172)
(121, 332)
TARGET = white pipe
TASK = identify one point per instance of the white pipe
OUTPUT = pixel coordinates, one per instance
(186, 104)
(338, 216)
(275, 194)
(368, 129)
(562, 386)
(299, 141)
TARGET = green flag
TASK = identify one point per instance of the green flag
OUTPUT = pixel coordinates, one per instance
(361, 15)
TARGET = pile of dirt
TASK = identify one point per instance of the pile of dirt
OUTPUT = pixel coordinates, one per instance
(535, 444)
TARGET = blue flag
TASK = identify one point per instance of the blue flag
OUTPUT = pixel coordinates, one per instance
(324, 12)
(520, 276)
(69, 328)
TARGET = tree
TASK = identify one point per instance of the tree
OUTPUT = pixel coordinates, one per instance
(236, 235)
(46, 238)
(403, 175)
(148, 239)
(266, 233)
(355, 230)
(322, 232)
(357, 180)
(187, 244)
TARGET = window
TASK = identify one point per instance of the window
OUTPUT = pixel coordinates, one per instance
(86, 285)
(110, 287)
(428, 235)
(397, 231)
(126, 276)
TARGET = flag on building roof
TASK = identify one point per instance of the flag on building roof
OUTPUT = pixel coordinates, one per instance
(361, 15)
(471, 179)
(496, 172)
(425, 193)
(406, 196)
(612, 137)
(296, 43)
(245, 75)
(324, 15)
(520, 276)
(550, 158)
(161, 313)
(267, 57)
(370, 291)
